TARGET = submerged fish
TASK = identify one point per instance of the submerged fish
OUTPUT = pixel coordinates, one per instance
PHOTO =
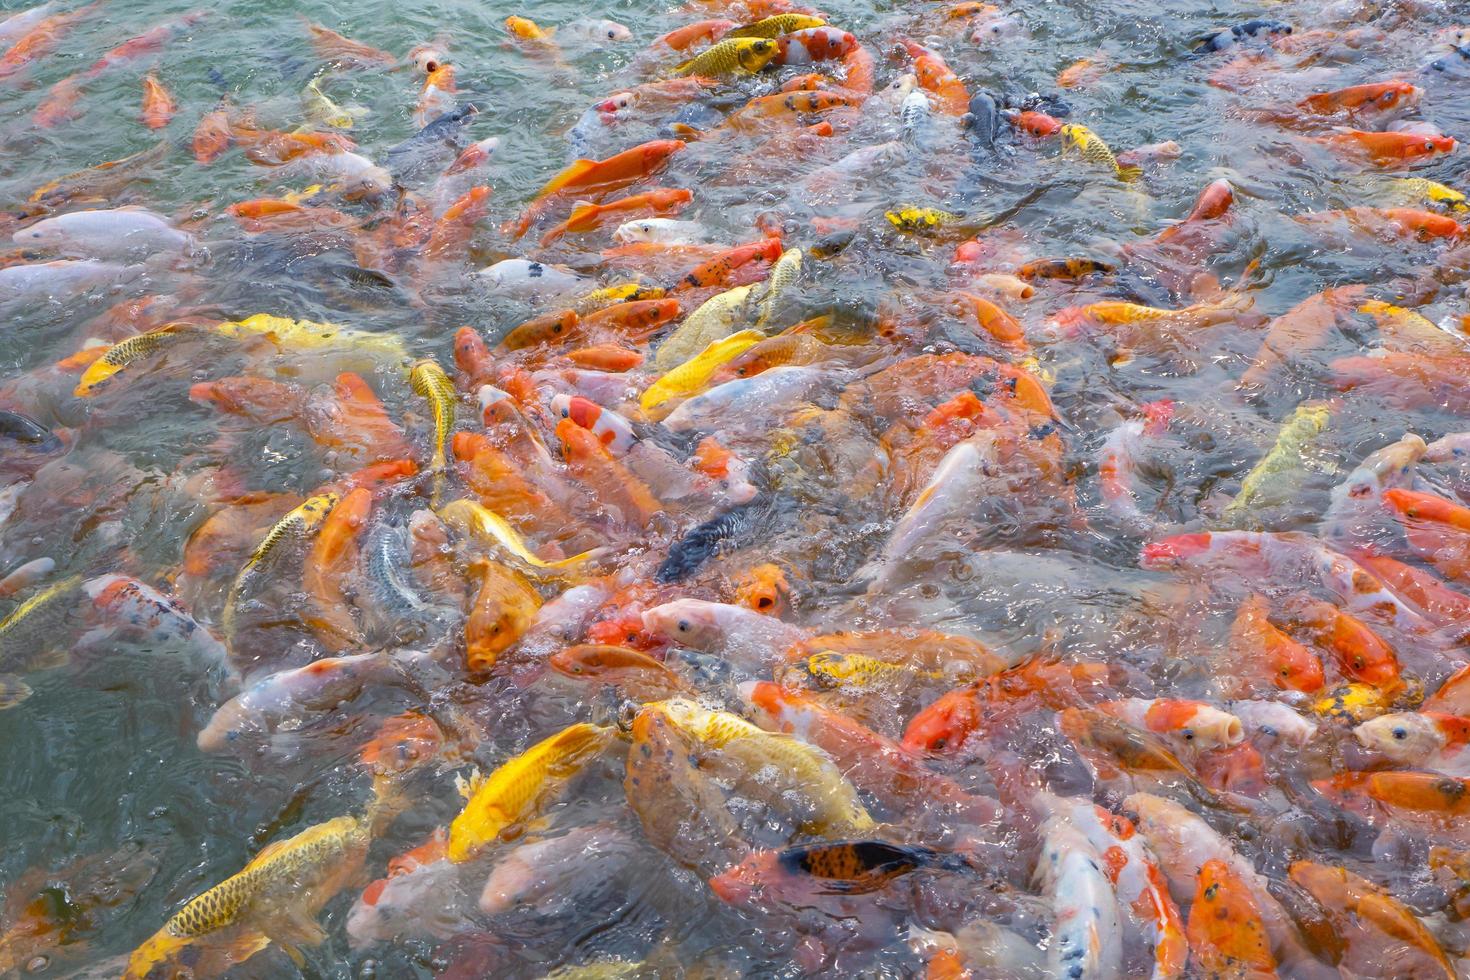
(1277, 478)
(428, 380)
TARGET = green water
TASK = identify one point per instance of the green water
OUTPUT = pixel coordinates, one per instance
(102, 757)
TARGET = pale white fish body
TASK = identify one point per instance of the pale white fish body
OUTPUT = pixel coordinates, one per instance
(352, 174)
(952, 491)
(1455, 446)
(543, 874)
(744, 401)
(525, 278)
(60, 280)
(666, 231)
(17, 25)
(560, 622)
(288, 698)
(1118, 468)
(138, 609)
(1273, 719)
(1087, 932)
(603, 387)
(426, 901)
(915, 110)
(593, 32)
(1358, 500)
(105, 234)
(742, 636)
(1133, 870)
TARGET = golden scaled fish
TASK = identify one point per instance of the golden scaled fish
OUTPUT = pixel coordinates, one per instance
(1404, 329)
(1281, 472)
(29, 637)
(486, 525)
(320, 109)
(428, 380)
(919, 221)
(514, 792)
(1353, 704)
(101, 182)
(1094, 150)
(802, 770)
(625, 292)
(119, 356)
(830, 670)
(1421, 190)
(783, 276)
(274, 898)
(297, 523)
(737, 56)
(773, 27)
(308, 335)
(693, 374)
(716, 317)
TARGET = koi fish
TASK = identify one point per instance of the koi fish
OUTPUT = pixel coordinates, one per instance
(520, 787)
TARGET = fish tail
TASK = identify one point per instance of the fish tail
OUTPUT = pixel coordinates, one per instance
(13, 691)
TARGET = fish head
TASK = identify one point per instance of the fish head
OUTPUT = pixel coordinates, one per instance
(687, 622)
(428, 59)
(1405, 737)
(608, 30)
(944, 724)
(614, 104)
(1397, 94)
(756, 54)
(636, 231)
(403, 743)
(1209, 728)
(43, 234)
(828, 43)
(745, 883)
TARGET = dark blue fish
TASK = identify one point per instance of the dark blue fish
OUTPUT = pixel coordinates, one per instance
(432, 148)
(27, 431)
(1455, 64)
(983, 121)
(703, 540)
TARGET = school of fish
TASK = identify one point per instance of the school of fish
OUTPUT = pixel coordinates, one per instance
(875, 492)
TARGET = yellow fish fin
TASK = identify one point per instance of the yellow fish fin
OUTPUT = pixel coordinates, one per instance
(574, 170)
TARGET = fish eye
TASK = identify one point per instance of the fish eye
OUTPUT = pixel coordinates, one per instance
(1400, 732)
(611, 35)
(1428, 145)
(1188, 734)
(683, 626)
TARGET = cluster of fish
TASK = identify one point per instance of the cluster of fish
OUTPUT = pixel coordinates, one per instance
(797, 547)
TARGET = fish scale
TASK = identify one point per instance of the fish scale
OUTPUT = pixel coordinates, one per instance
(428, 380)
